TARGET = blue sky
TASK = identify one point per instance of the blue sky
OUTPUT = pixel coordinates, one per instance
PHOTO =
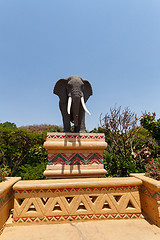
(113, 44)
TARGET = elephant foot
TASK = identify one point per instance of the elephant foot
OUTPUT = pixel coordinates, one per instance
(78, 130)
(66, 127)
(82, 131)
(67, 130)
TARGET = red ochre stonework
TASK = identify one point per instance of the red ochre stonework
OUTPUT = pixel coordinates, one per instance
(70, 136)
(75, 158)
(77, 217)
(76, 203)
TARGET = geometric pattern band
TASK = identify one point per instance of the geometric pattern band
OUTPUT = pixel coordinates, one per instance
(77, 189)
(77, 217)
(75, 158)
(76, 203)
(150, 193)
(6, 197)
(84, 189)
(65, 136)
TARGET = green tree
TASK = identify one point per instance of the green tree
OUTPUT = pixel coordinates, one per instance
(32, 172)
(21, 149)
(149, 122)
(128, 146)
(8, 125)
(15, 145)
(34, 165)
(42, 128)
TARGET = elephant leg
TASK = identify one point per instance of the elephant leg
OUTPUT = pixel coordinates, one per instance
(65, 116)
(76, 129)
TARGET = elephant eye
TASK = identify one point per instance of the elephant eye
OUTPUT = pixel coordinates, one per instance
(69, 86)
(82, 86)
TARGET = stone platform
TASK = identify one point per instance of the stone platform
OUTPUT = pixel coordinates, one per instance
(91, 230)
(75, 155)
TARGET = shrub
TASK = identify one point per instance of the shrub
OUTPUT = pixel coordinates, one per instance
(15, 146)
(149, 122)
(4, 172)
(128, 147)
(32, 172)
(153, 168)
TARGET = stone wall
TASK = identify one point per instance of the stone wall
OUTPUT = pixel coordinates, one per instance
(6, 198)
(76, 199)
(150, 197)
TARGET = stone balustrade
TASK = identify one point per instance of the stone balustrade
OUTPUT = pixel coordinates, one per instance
(150, 197)
(76, 199)
(6, 198)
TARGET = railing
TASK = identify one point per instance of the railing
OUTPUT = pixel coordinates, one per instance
(76, 199)
(150, 197)
(6, 198)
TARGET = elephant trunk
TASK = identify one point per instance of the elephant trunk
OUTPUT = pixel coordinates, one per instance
(75, 108)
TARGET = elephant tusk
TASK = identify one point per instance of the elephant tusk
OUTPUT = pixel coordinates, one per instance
(84, 106)
(69, 105)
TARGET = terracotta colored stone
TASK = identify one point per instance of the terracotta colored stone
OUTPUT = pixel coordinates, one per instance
(6, 198)
(85, 230)
(74, 155)
(150, 197)
(76, 200)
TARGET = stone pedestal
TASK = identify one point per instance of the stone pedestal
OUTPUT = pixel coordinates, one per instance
(75, 155)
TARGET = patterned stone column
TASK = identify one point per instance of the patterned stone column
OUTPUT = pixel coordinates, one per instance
(75, 155)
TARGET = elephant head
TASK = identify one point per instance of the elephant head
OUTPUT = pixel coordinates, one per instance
(73, 93)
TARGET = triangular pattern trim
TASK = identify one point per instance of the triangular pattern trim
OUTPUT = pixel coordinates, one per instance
(150, 193)
(77, 217)
(56, 136)
(108, 189)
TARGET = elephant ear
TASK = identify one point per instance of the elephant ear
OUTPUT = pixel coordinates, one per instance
(87, 90)
(60, 89)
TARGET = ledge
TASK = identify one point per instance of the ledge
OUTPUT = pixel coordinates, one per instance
(8, 183)
(71, 136)
(74, 145)
(150, 182)
(72, 183)
(75, 141)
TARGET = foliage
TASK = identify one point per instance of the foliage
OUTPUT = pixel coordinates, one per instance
(8, 125)
(22, 150)
(15, 146)
(4, 172)
(34, 165)
(153, 168)
(42, 128)
(29, 172)
(153, 126)
(128, 144)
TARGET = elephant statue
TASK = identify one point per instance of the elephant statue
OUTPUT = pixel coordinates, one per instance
(73, 93)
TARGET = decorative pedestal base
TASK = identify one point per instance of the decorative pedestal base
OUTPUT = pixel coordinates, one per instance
(75, 155)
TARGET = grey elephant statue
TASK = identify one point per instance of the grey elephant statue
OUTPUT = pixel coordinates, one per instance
(73, 93)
